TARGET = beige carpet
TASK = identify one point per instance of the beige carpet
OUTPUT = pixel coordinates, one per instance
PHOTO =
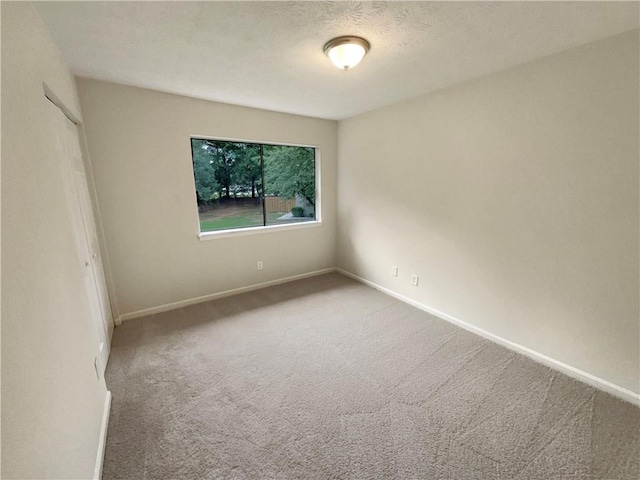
(327, 378)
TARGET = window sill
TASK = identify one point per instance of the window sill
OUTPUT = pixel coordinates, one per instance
(203, 236)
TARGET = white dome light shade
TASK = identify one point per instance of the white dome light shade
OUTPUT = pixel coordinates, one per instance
(346, 52)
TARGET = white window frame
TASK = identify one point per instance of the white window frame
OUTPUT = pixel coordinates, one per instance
(235, 232)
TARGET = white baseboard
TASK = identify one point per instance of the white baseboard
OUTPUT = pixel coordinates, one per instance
(573, 372)
(102, 444)
(227, 293)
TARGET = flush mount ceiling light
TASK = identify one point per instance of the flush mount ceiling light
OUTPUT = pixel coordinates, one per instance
(346, 52)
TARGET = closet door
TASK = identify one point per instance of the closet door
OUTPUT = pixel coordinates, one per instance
(69, 156)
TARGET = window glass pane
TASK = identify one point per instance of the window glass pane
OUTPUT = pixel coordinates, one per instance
(228, 184)
(229, 177)
(290, 184)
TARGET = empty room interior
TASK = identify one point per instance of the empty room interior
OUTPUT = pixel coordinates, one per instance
(324, 240)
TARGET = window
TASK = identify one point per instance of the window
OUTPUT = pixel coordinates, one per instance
(241, 184)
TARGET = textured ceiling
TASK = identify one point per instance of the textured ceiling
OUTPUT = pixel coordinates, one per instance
(269, 54)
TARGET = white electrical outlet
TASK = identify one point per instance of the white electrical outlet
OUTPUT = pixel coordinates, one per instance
(394, 271)
(414, 280)
(260, 265)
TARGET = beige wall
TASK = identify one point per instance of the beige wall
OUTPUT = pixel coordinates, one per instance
(141, 158)
(52, 401)
(515, 198)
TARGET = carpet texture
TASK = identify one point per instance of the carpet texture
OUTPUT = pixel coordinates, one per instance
(328, 378)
